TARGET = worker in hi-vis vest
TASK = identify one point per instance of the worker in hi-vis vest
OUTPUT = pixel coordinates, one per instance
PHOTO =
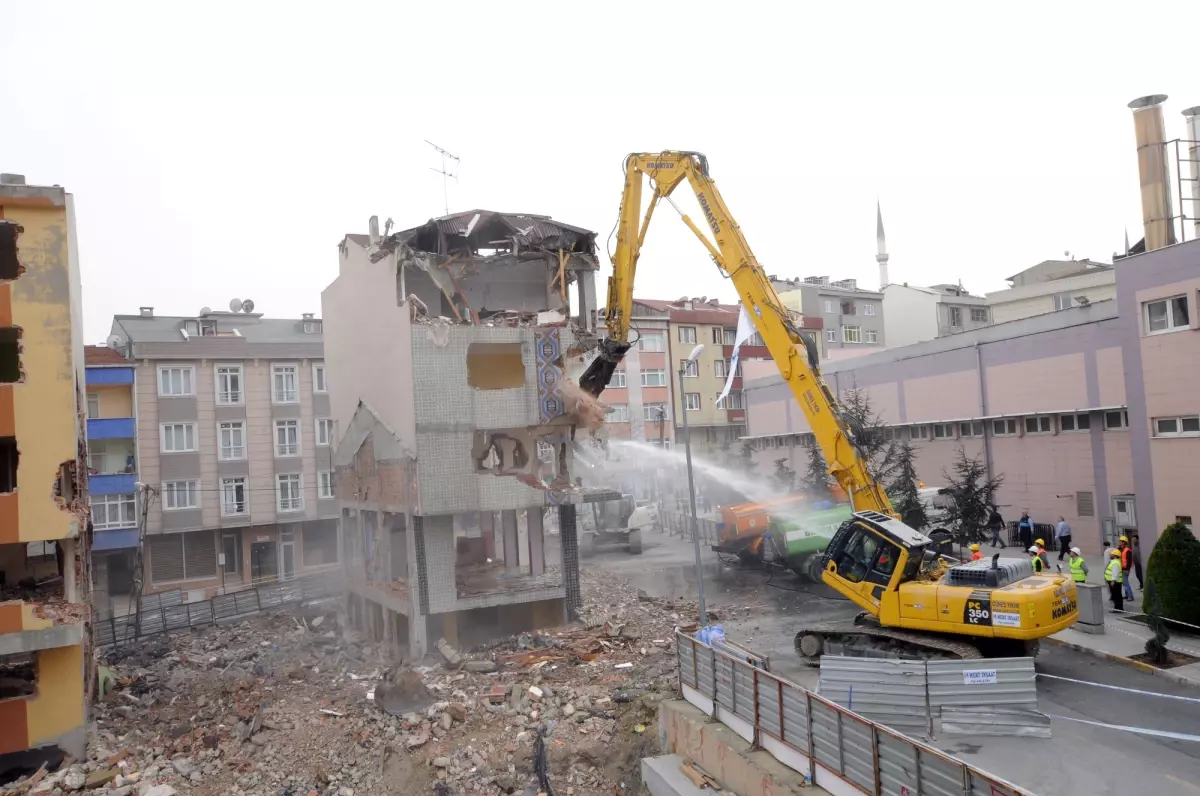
(1079, 568)
(1112, 576)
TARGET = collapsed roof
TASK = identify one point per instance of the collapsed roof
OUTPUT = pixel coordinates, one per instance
(478, 232)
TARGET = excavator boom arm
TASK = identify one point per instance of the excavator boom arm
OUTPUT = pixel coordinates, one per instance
(794, 354)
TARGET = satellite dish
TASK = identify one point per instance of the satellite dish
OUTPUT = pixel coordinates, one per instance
(248, 305)
(205, 310)
(114, 341)
(235, 305)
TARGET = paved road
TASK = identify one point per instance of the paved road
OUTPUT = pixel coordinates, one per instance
(1080, 758)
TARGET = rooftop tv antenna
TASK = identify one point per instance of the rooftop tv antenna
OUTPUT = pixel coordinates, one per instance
(445, 174)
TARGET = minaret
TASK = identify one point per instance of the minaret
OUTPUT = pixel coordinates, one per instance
(881, 242)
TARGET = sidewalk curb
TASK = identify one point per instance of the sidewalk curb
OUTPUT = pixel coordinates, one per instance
(1108, 656)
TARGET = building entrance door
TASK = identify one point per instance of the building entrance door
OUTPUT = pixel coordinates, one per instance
(262, 562)
(287, 553)
(1125, 512)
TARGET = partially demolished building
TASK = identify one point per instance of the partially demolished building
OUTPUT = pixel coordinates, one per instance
(449, 348)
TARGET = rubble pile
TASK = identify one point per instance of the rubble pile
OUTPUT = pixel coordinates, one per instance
(300, 706)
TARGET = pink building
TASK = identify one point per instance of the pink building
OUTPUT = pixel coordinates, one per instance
(1091, 413)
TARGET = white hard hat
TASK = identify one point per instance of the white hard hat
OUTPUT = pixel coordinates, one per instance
(1075, 550)
(1033, 550)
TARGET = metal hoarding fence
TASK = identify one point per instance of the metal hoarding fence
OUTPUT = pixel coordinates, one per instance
(890, 692)
(841, 747)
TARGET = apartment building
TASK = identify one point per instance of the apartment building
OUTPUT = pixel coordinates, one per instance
(235, 444)
(639, 393)
(852, 318)
(112, 475)
(1090, 413)
(45, 641)
(450, 346)
(916, 314)
(1052, 286)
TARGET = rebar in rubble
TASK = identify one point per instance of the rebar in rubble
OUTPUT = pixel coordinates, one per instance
(541, 765)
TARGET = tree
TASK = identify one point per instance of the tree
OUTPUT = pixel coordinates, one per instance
(905, 489)
(1172, 569)
(1156, 648)
(784, 476)
(748, 463)
(816, 479)
(973, 495)
(873, 437)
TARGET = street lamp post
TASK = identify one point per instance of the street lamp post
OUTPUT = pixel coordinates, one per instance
(687, 447)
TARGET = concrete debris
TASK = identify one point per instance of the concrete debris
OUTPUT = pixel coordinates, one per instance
(219, 713)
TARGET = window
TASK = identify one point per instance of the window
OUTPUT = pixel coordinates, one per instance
(180, 495)
(721, 368)
(691, 369)
(312, 327)
(618, 378)
(829, 306)
(319, 382)
(93, 400)
(868, 308)
(1085, 504)
(848, 308)
(729, 337)
(113, 511)
(852, 334)
(655, 377)
(652, 341)
(1062, 301)
(182, 556)
(231, 441)
(178, 437)
(208, 328)
(1116, 419)
(619, 413)
(231, 547)
(979, 314)
(955, 317)
(1037, 425)
(324, 432)
(718, 335)
(1167, 315)
(1188, 426)
(229, 384)
(943, 431)
(755, 340)
(691, 401)
(288, 496)
(687, 334)
(733, 401)
(872, 335)
(191, 327)
(920, 432)
(1004, 427)
(895, 434)
(287, 437)
(324, 484)
(233, 498)
(1185, 519)
(175, 381)
(655, 412)
(284, 384)
(1079, 422)
(831, 335)
(973, 428)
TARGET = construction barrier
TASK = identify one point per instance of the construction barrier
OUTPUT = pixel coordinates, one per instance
(837, 749)
(681, 524)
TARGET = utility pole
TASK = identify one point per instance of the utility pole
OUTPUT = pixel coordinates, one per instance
(687, 447)
(144, 494)
(445, 174)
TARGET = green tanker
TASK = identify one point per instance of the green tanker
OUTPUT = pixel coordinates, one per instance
(797, 541)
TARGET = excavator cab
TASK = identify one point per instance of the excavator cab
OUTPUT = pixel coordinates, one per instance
(871, 554)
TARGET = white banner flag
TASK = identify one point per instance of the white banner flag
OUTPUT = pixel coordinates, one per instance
(745, 331)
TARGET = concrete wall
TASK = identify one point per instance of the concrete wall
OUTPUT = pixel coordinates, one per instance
(911, 315)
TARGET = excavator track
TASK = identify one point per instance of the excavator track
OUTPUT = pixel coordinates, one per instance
(863, 638)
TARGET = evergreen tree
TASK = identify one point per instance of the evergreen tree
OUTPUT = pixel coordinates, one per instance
(905, 489)
(1172, 569)
(875, 441)
(749, 465)
(1156, 648)
(973, 495)
(784, 476)
(816, 480)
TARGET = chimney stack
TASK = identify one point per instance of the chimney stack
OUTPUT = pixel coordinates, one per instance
(146, 312)
(12, 179)
(1149, 131)
(1192, 115)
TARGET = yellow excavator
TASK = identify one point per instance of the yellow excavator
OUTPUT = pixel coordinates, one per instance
(914, 605)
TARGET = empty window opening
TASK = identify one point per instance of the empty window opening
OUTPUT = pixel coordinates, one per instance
(18, 675)
(10, 355)
(495, 366)
(10, 264)
(8, 464)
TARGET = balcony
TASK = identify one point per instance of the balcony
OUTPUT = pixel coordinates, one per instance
(111, 428)
(111, 483)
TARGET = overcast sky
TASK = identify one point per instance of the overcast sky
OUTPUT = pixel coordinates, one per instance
(225, 151)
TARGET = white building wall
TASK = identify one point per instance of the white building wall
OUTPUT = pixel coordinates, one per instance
(1038, 299)
(910, 316)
